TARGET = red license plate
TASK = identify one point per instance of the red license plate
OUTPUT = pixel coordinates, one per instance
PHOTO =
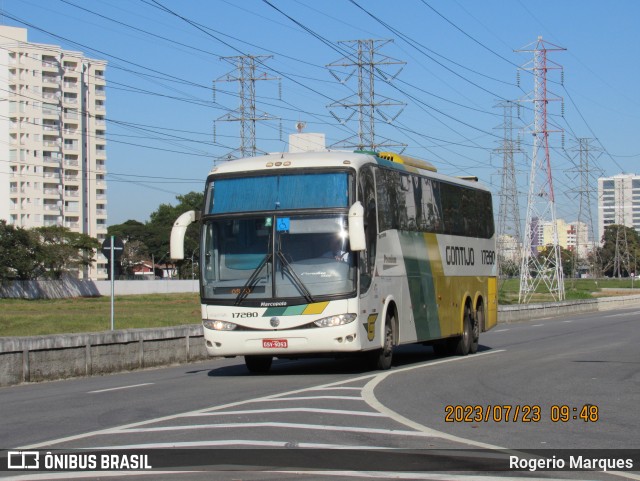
(275, 343)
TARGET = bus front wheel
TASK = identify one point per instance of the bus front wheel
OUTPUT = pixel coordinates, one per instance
(258, 364)
(382, 358)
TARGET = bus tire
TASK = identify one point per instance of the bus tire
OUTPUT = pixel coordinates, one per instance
(258, 364)
(478, 324)
(463, 344)
(381, 358)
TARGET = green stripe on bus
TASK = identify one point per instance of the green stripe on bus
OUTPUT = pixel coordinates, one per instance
(294, 310)
(421, 285)
(274, 311)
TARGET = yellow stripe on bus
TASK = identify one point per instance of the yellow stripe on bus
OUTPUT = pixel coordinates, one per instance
(316, 308)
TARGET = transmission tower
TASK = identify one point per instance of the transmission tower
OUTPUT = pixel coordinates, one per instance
(545, 266)
(246, 73)
(509, 237)
(367, 64)
(586, 154)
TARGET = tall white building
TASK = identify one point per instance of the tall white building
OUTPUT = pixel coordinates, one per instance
(619, 201)
(52, 139)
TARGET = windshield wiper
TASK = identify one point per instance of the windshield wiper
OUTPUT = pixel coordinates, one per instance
(294, 277)
(252, 281)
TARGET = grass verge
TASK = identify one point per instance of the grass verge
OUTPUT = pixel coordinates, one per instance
(19, 317)
(575, 289)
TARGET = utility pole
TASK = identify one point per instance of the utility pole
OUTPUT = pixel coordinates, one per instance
(247, 72)
(539, 267)
(509, 236)
(366, 64)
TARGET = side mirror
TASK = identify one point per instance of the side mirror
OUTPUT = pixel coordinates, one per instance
(356, 227)
(177, 234)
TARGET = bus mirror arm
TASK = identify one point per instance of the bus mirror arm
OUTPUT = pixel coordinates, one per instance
(178, 231)
(356, 227)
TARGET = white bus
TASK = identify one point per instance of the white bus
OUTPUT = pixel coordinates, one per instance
(331, 252)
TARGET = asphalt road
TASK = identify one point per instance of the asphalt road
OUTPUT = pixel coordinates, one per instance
(521, 371)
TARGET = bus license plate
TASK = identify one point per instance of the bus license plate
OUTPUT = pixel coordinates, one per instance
(275, 343)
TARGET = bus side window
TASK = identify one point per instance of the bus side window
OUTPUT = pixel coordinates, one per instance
(366, 194)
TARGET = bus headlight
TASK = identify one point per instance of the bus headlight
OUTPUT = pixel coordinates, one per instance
(338, 320)
(216, 325)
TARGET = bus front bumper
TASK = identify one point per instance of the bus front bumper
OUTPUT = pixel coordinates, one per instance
(290, 342)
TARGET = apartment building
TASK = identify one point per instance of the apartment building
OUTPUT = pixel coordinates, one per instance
(619, 201)
(573, 236)
(52, 139)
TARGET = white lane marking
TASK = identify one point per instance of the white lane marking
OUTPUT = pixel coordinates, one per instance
(567, 322)
(537, 325)
(295, 410)
(240, 442)
(370, 398)
(624, 474)
(120, 388)
(372, 401)
(341, 474)
(617, 315)
(189, 413)
(92, 474)
(227, 406)
(342, 388)
(502, 330)
(307, 398)
(316, 427)
(408, 475)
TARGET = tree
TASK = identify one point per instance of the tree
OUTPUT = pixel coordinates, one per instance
(63, 250)
(156, 232)
(135, 252)
(128, 231)
(160, 224)
(566, 258)
(19, 253)
(616, 234)
(508, 267)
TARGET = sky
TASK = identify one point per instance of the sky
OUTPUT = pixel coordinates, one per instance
(444, 68)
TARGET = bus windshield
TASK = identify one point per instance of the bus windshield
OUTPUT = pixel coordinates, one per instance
(282, 191)
(262, 258)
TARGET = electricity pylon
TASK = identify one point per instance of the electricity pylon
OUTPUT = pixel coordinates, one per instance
(246, 73)
(509, 236)
(367, 64)
(586, 155)
(540, 266)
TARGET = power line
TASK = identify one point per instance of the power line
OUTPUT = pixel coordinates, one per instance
(469, 36)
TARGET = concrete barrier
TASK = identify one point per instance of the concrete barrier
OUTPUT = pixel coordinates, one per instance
(70, 287)
(43, 358)
(129, 288)
(526, 312)
(59, 289)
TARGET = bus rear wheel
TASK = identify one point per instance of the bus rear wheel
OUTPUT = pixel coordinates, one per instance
(381, 358)
(478, 324)
(463, 345)
(258, 364)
